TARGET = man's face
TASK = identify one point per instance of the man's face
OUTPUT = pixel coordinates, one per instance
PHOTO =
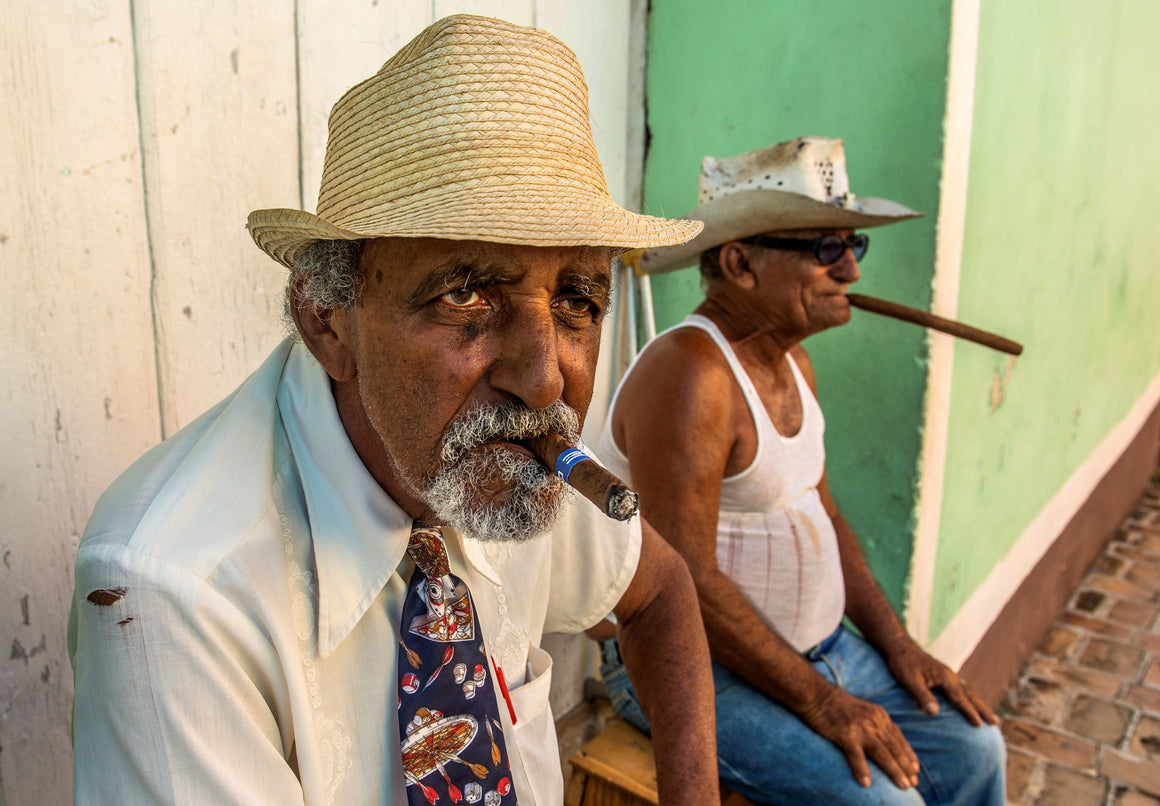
(443, 334)
(797, 291)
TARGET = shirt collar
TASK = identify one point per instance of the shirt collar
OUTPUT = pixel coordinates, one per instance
(358, 532)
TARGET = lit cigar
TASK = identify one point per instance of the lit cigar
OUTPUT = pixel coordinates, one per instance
(585, 476)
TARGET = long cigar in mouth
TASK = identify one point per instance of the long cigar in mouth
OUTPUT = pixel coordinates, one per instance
(587, 477)
(915, 316)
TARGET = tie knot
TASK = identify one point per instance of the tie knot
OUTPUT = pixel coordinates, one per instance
(427, 550)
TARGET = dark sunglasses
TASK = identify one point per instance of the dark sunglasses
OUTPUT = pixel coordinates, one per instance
(828, 249)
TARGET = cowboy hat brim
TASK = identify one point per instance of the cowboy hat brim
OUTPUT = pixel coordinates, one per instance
(508, 217)
(752, 212)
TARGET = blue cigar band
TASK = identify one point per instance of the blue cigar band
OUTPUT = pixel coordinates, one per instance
(568, 460)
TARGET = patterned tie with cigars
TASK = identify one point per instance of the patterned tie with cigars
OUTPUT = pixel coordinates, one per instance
(453, 744)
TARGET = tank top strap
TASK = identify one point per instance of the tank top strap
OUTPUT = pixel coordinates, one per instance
(709, 326)
(811, 409)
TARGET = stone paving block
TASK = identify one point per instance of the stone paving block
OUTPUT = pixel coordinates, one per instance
(1088, 679)
(1136, 556)
(1146, 576)
(1127, 770)
(1121, 660)
(1144, 697)
(1020, 765)
(1093, 684)
(1098, 719)
(1129, 797)
(1133, 612)
(1120, 587)
(1146, 740)
(1109, 565)
(1059, 642)
(1099, 626)
(1088, 601)
(1038, 699)
(1064, 787)
(1052, 744)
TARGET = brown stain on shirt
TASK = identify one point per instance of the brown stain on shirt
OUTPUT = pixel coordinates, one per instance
(103, 597)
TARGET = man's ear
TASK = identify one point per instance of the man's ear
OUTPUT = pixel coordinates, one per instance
(734, 261)
(327, 334)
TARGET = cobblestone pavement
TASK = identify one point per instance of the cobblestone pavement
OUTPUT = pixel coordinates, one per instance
(1083, 721)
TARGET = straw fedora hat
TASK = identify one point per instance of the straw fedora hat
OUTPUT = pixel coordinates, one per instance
(476, 130)
(799, 184)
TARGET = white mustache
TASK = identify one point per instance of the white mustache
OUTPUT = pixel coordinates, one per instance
(507, 421)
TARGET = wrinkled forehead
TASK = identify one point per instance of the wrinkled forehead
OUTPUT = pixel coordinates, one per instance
(415, 266)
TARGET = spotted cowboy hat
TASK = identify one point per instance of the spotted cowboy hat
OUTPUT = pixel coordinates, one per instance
(476, 130)
(800, 184)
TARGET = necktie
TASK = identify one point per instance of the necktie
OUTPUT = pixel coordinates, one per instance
(448, 712)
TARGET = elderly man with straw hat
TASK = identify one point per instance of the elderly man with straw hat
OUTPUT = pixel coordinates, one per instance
(331, 587)
(718, 428)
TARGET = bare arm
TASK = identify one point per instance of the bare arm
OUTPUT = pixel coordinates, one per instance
(663, 646)
(869, 609)
(680, 421)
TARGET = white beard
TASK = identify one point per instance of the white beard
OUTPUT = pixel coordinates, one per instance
(458, 491)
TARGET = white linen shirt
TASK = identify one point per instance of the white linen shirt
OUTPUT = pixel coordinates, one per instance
(234, 625)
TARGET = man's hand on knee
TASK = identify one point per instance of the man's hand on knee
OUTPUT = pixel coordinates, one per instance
(919, 672)
(863, 730)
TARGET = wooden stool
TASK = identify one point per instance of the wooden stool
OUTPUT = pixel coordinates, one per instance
(617, 769)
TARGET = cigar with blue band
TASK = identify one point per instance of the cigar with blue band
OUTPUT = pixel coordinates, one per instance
(586, 476)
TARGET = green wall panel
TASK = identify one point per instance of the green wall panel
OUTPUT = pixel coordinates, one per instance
(1061, 212)
(727, 77)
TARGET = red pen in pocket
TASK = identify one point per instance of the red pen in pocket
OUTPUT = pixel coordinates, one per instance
(503, 689)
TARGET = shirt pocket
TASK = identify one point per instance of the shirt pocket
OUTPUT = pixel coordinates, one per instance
(535, 734)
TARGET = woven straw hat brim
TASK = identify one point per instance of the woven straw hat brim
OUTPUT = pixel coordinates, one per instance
(528, 221)
(477, 129)
(752, 212)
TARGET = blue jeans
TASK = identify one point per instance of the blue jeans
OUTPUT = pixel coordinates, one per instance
(768, 755)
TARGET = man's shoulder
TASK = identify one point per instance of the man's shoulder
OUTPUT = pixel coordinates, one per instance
(189, 499)
(683, 353)
(681, 369)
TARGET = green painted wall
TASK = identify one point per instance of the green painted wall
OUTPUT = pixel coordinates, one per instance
(727, 77)
(1061, 213)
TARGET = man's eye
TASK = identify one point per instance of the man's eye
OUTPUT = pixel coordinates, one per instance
(462, 297)
(583, 305)
(577, 304)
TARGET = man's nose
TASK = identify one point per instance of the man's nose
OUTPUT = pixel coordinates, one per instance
(529, 362)
(846, 269)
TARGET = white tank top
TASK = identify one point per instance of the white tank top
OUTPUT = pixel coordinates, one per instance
(775, 540)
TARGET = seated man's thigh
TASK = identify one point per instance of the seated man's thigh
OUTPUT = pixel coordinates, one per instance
(960, 764)
(769, 756)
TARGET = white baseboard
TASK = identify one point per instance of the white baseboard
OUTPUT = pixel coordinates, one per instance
(960, 637)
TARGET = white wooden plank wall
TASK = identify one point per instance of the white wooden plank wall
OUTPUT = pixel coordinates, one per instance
(139, 136)
(341, 42)
(218, 99)
(80, 394)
